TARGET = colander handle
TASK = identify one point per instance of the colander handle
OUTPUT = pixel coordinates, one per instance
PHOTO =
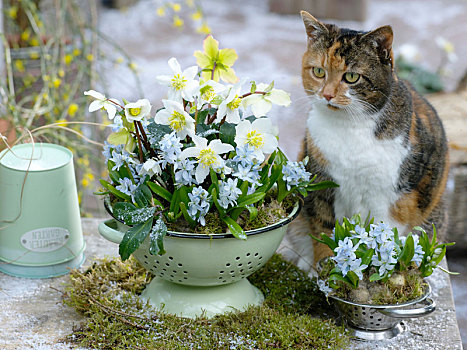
(109, 233)
(429, 307)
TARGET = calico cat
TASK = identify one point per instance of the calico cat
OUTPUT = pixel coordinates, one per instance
(369, 132)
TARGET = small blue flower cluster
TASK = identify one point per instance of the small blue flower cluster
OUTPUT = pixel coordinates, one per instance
(200, 202)
(294, 174)
(228, 193)
(246, 165)
(381, 239)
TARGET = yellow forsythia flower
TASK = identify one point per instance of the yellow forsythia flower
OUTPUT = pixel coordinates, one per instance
(204, 29)
(13, 12)
(34, 55)
(34, 42)
(61, 73)
(90, 57)
(68, 58)
(56, 82)
(25, 35)
(177, 21)
(133, 66)
(196, 16)
(19, 65)
(160, 11)
(72, 109)
(62, 122)
(76, 52)
(176, 7)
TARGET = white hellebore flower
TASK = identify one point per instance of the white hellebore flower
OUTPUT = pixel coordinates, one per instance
(138, 110)
(260, 135)
(150, 167)
(207, 91)
(229, 107)
(207, 155)
(174, 115)
(181, 84)
(261, 104)
(108, 104)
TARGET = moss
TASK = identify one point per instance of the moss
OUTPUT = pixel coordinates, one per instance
(401, 287)
(115, 318)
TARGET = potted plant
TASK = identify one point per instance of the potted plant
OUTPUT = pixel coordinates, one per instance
(200, 193)
(375, 276)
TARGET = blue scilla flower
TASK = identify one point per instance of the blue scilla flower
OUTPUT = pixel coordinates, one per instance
(364, 237)
(294, 174)
(248, 173)
(345, 255)
(384, 259)
(229, 193)
(117, 124)
(127, 187)
(107, 152)
(119, 159)
(171, 148)
(185, 172)
(382, 232)
(199, 204)
(245, 155)
(357, 267)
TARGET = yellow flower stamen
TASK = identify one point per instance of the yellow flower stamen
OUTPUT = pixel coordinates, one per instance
(135, 111)
(207, 93)
(255, 139)
(235, 103)
(178, 82)
(177, 121)
(207, 157)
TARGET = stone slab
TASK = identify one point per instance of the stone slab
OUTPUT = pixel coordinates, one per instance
(32, 315)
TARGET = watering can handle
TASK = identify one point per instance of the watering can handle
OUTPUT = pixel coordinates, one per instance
(109, 233)
(429, 307)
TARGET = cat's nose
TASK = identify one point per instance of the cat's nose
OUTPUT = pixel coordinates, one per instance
(328, 96)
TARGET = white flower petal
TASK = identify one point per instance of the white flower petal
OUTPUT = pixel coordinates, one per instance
(111, 110)
(190, 152)
(201, 173)
(278, 97)
(164, 79)
(190, 72)
(95, 94)
(218, 147)
(261, 107)
(175, 66)
(162, 117)
(95, 105)
(270, 143)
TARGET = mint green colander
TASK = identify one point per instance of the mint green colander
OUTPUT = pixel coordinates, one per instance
(202, 275)
(40, 225)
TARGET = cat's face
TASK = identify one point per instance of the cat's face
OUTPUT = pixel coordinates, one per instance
(345, 70)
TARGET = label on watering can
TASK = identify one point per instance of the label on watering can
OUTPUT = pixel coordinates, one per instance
(45, 239)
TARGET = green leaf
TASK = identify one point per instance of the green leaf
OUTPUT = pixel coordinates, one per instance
(114, 191)
(250, 199)
(158, 232)
(253, 212)
(407, 252)
(366, 258)
(376, 277)
(321, 185)
(131, 215)
(280, 158)
(338, 277)
(228, 133)
(353, 278)
(133, 239)
(187, 216)
(270, 87)
(235, 228)
(329, 241)
(220, 209)
(143, 196)
(253, 87)
(157, 131)
(175, 203)
(160, 191)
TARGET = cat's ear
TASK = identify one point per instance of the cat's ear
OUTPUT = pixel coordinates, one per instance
(381, 38)
(312, 25)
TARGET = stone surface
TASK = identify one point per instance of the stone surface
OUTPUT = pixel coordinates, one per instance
(32, 315)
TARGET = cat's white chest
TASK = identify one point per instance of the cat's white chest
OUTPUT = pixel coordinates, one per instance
(366, 168)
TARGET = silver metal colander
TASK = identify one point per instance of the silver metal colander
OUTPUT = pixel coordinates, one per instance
(374, 322)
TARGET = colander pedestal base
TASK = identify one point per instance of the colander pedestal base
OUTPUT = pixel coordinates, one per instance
(362, 334)
(194, 301)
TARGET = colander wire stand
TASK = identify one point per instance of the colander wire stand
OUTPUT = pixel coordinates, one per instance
(380, 322)
(202, 275)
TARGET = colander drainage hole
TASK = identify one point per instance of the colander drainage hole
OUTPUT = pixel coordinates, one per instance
(240, 265)
(363, 313)
(256, 254)
(146, 256)
(171, 258)
(185, 272)
(221, 271)
(232, 272)
(371, 316)
(237, 258)
(248, 254)
(380, 319)
(228, 264)
(164, 270)
(167, 264)
(179, 265)
(174, 271)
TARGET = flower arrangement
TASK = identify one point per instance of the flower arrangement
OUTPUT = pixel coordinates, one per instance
(373, 264)
(199, 162)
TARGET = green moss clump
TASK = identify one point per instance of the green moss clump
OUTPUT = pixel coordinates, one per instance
(115, 317)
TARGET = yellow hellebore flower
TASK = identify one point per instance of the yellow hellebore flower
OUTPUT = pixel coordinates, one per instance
(218, 60)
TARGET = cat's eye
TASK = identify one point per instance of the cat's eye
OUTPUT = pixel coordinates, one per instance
(351, 77)
(318, 72)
